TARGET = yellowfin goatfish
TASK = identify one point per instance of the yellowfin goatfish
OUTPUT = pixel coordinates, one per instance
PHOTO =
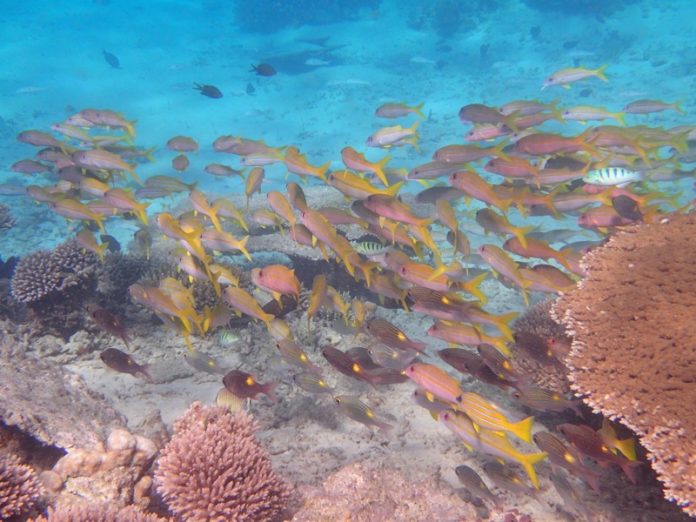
(490, 442)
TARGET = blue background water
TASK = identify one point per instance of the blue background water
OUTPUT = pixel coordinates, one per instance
(445, 53)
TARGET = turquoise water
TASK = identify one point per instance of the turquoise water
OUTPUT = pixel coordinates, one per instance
(334, 64)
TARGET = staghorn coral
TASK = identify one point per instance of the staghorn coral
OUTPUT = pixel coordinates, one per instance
(19, 488)
(214, 469)
(6, 219)
(97, 513)
(634, 349)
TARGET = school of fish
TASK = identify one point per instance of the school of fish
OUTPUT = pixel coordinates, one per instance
(512, 167)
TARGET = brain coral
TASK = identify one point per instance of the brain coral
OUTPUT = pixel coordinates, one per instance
(634, 349)
(19, 487)
(47, 274)
(213, 469)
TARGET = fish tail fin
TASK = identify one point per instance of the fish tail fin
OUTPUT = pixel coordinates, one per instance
(213, 214)
(499, 150)
(148, 153)
(627, 447)
(393, 190)
(620, 117)
(677, 106)
(520, 234)
(556, 110)
(130, 128)
(502, 322)
(379, 169)
(269, 390)
(323, 169)
(415, 125)
(101, 250)
(418, 110)
(600, 73)
(384, 427)
(100, 222)
(144, 370)
(472, 286)
(242, 247)
(527, 461)
(630, 469)
(523, 429)
(501, 344)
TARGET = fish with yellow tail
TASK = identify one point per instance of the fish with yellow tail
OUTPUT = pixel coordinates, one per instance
(245, 303)
(222, 241)
(353, 160)
(399, 110)
(73, 209)
(564, 77)
(102, 118)
(297, 163)
(486, 415)
(503, 264)
(464, 334)
(200, 204)
(358, 411)
(493, 222)
(353, 186)
(103, 160)
(435, 380)
(86, 240)
(395, 136)
(490, 442)
(124, 200)
(316, 297)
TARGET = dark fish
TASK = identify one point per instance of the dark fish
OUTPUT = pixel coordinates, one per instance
(263, 69)
(627, 207)
(112, 244)
(536, 347)
(473, 482)
(471, 363)
(208, 90)
(588, 442)
(351, 366)
(250, 89)
(108, 321)
(244, 385)
(111, 59)
(499, 364)
(505, 478)
(124, 363)
(566, 457)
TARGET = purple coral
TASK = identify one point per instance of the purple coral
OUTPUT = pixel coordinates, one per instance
(213, 468)
(19, 487)
(45, 274)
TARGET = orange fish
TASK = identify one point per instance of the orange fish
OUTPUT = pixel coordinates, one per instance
(356, 161)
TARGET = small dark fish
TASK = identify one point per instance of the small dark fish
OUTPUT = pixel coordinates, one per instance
(112, 245)
(208, 90)
(627, 207)
(536, 347)
(108, 321)
(471, 363)
(473, 482)
(250, 89)
(566, 457)
(263, 69)
(112, 59)
(499, 364)
(506, 479)
(124, 363)
(244, 385)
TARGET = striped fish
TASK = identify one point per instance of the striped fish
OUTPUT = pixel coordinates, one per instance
(610, 176)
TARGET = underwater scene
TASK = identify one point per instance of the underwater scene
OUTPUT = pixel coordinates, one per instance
(367, 260)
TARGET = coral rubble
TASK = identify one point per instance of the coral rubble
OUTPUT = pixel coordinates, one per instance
(214, 469)
(634, 351)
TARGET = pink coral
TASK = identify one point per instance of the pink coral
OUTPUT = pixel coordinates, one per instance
(97, 513)
(19, 487)
(214, 469)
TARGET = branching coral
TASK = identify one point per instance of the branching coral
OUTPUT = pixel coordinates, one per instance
(214, 469)
(634, 349)
(47, 274)
(19, 487)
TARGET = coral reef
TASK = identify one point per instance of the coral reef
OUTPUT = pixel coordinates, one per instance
(48, 402)
(19, 488)
(97, 513)
(55, 284)
(633, 355)
(537, 321)
(116, 274)
(214, 469)
(6, 219)
(114, 473)
(362, 492)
